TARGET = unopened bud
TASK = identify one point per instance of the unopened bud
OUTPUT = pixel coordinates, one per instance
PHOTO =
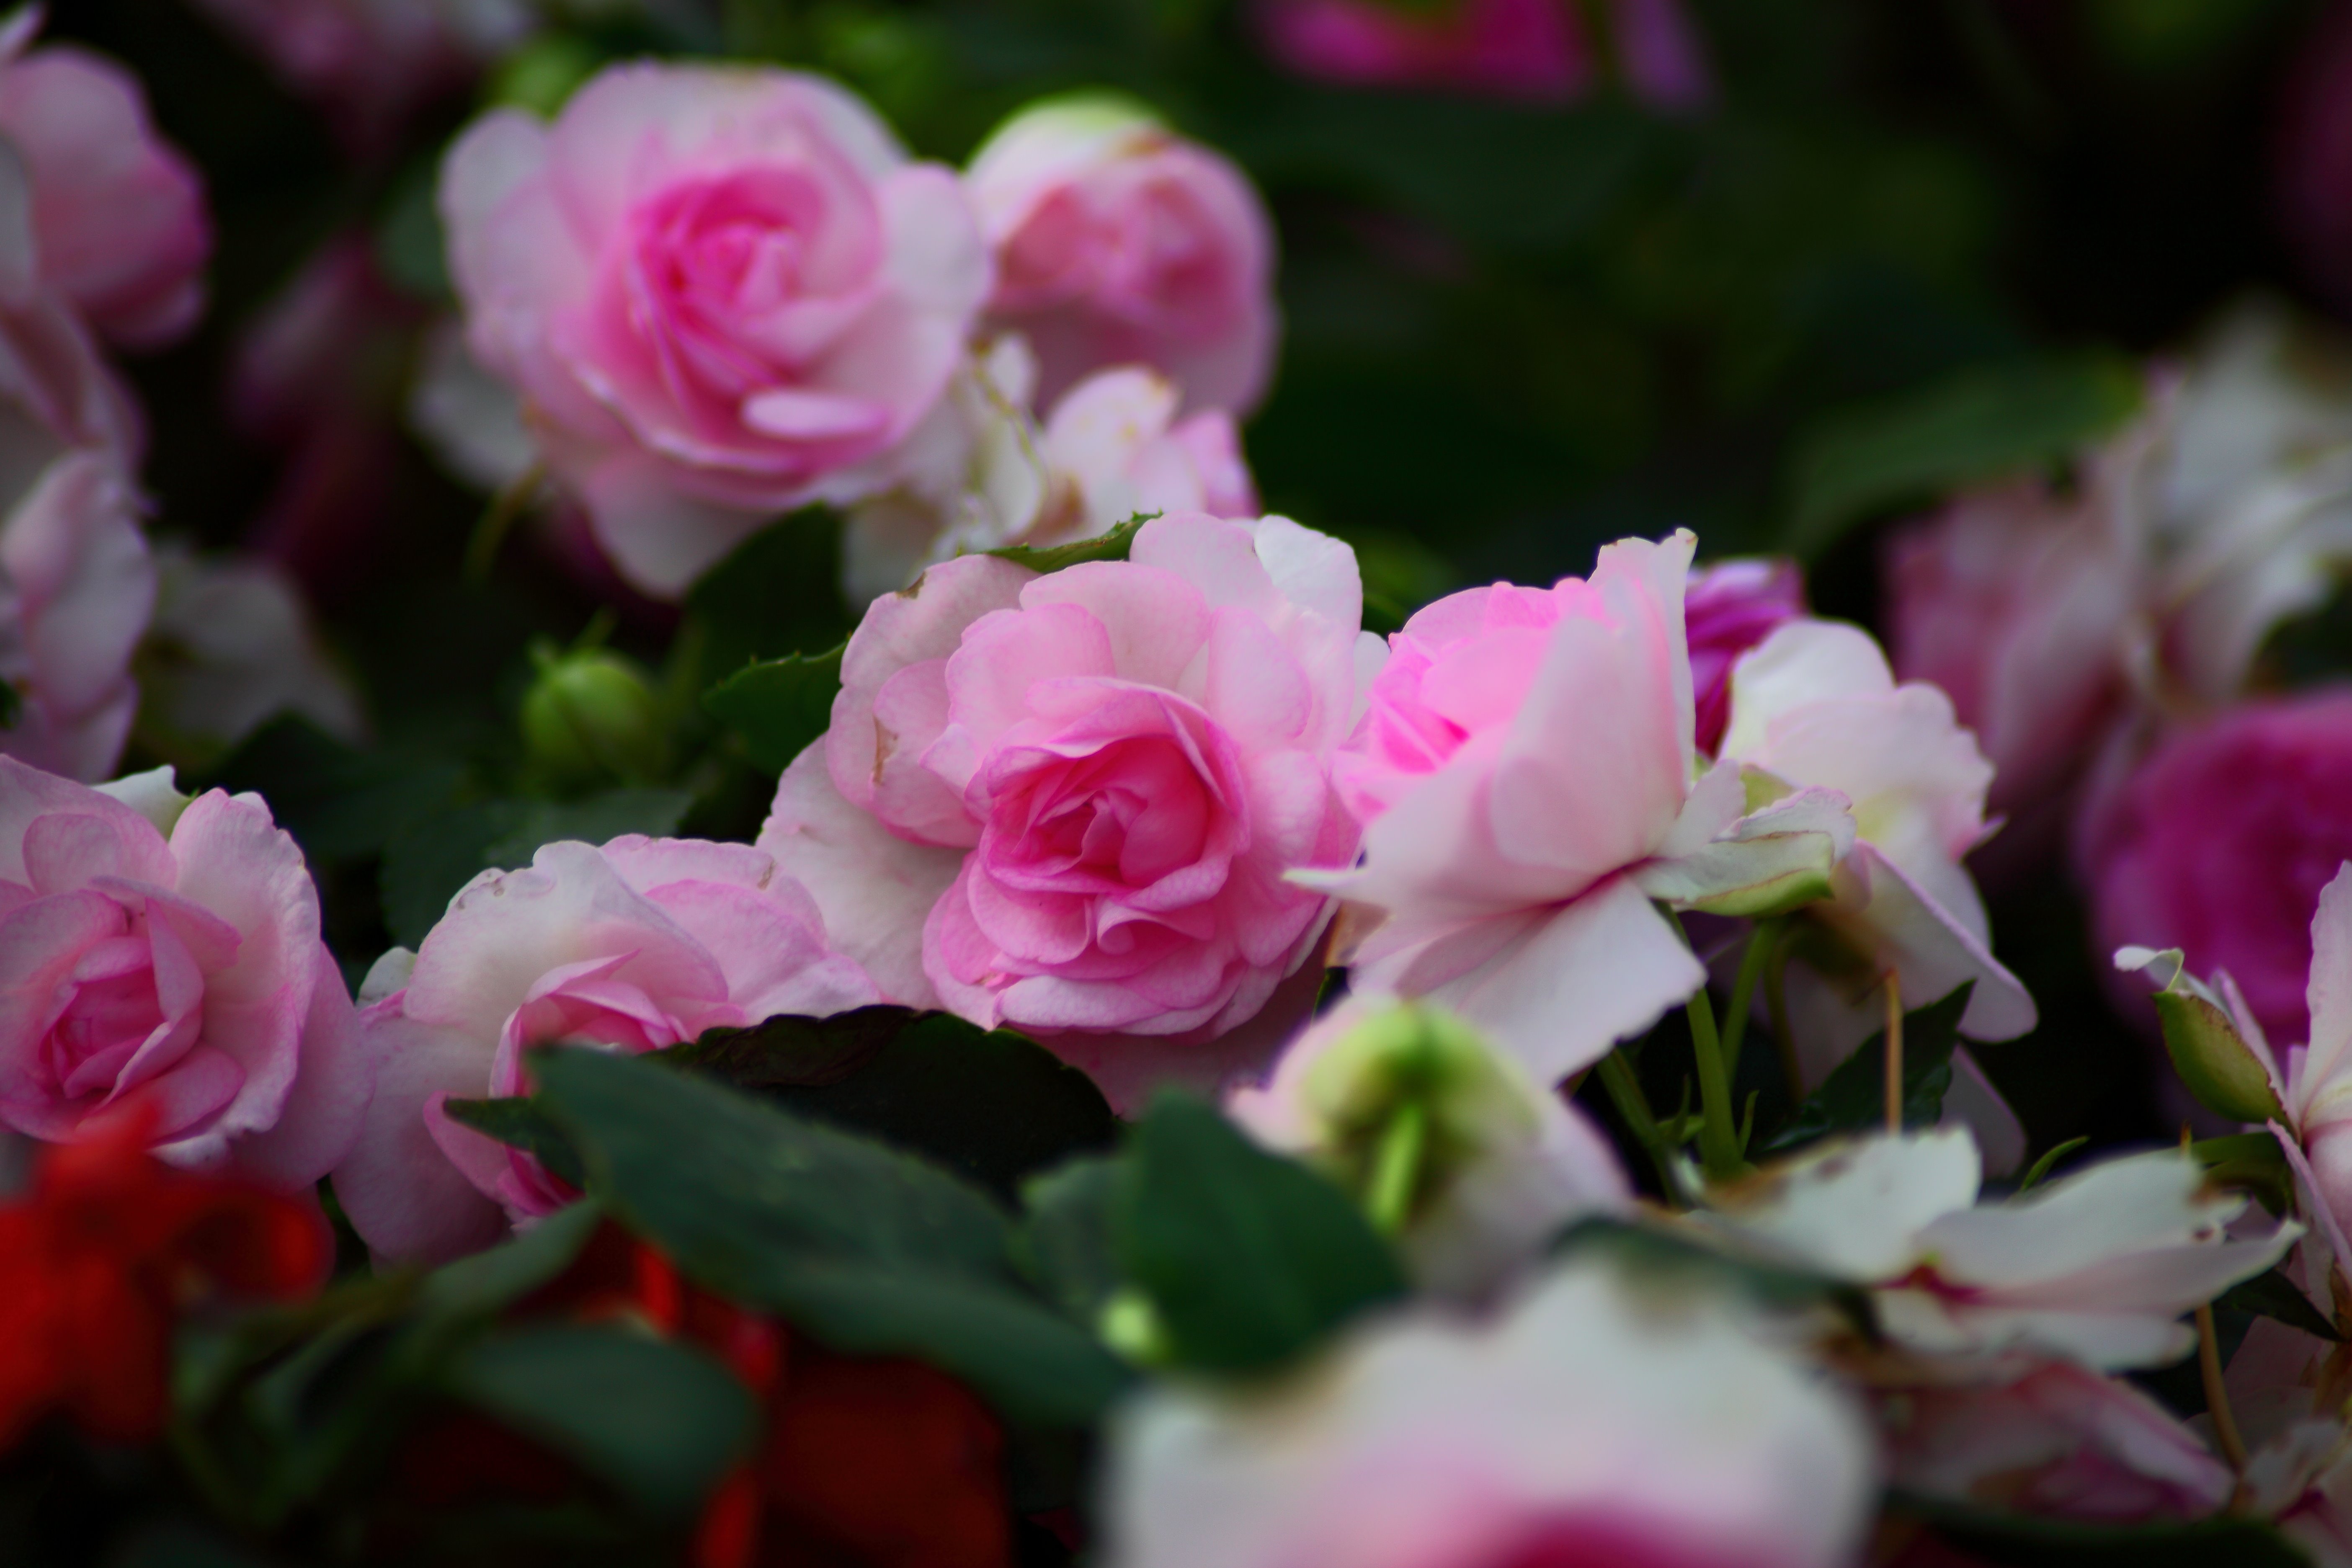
(590, 718)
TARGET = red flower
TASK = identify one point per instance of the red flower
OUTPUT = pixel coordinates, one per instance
(107, 1249)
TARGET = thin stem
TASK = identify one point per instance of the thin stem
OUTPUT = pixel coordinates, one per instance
(2217, 1394)
(1633, 1106)
(1776, 1009)
(1743, 992)
(1718, 1129)
(1396, 1168)
(498, 520)
(1894, 1054)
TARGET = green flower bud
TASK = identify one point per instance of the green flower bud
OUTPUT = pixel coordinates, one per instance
(590, 718)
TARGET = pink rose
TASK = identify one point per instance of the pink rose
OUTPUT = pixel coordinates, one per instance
(720, 293)
(1070, 803)
(1729, 608)
(1117, 242)
(2220, 842)
(1530, 49)
(1528, 784)
(1115, 447)
(641, 944)
(118, 212)
(77, 585)
(164, 952)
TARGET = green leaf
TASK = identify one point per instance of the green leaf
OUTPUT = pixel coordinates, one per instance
(1852, 1098)
(994, 1107)
(793, 1052)
(339, 803)
(777, 593)
(2011, 1541)
(520, 1124)
(1111, 546)
(2214, 1064)
(873, 1251)
(2250, 1163)
(1250, 1258)
(2049, 1160)
(1981, 423)
(779, 708)
(658, 1420)
(491, 1281)
(428, 861)
(1068, 1243)
(2274, 1295)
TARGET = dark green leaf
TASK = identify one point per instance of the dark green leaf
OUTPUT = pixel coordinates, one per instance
(870, 1250)
(1111, 546)
(182, 1545)
(659, 1420)
(520, 1124)
(2274, 1295)
(337, 802)
(777, 593)
(435, 855)
(2010, 1541)
(1852, 1098)
(2049, 1161)
(490, 1282)
(1068, 1243)
(1981, 423)
(780, 707)
(1770, 1284)
(594, 819)
(792, 1052)
(2250, 1163)
(992, 1106)
(1250, 1258)
(2216, 1067)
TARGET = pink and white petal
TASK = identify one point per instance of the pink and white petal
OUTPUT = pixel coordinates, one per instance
(1570, 985)
(408, 1203)
(875, 890)
(660, 537)
(320, 1118)
(2322, 1090)
(1802, 663)
(1973, 1102)
(28, 792)
(1636, 578)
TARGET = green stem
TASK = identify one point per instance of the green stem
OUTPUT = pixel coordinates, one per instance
(1743, 992)
(1718, 1129)
(497, 519)
(1633, 1106)
(1396, 1168)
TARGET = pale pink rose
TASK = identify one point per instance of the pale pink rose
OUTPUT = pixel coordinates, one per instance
(1118, 448)
(1530, 49)
(1118, 242)
(1529, 783)
(164, 952)
(1070, 803)
(1729, 608)
(119, 213)
(1598, 1419)
(2056, 1441)
(642, 944)
(720, 293)
(368, 64)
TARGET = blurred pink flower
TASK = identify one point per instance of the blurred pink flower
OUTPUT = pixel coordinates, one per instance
(1729, 608)
(367, 65)
(1596, 1419)
(640, 944)
(2220, 842)
(175, 946)
(119, 217)
(720, 293)
(1531, 49)
(1070, 803)
(1118, 242)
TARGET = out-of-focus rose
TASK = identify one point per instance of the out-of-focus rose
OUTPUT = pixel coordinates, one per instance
(1529, 784)
(2065, 625)
(1594, 1421)
(118, 212)
(2220, 842)
(987, 477)
(1530, 49)
(1502, 1164)
(720, 293)
(231, 647)
(1118, 242)
(369, 63)
(1729, 608)
(1070, 803)
(2056, 1441)
(164, 954)
(641, 944)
